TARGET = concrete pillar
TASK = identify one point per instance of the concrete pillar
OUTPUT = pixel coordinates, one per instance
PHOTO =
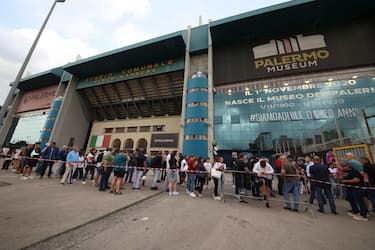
(210, 93)
(73, 120)
(184, 93)
(8, 119)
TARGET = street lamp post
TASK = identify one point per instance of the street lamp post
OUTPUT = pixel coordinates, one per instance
(9, 99)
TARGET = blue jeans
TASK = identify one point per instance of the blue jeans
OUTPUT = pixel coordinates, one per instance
(191, 183)
(155, 178)
(371, 197)
(103, 184)
(327, 191)
(356, 196)
(129, 174)
(138, 179)
(335, 186)
(291, 186)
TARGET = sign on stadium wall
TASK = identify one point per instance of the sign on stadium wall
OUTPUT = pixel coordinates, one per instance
(137, 71)
(164, 140)
(37, 99)
(303, 52)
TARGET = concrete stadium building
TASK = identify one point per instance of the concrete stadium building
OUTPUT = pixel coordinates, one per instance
(297, 77)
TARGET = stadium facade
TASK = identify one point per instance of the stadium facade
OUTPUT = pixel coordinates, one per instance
(297, 77)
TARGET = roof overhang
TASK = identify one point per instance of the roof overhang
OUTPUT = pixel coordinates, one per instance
(161, 48)
(287, 18)
(40, 80)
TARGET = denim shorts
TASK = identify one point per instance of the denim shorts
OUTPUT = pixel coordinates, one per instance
(172, 176)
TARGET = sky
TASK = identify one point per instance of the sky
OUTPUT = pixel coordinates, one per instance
(91, 27)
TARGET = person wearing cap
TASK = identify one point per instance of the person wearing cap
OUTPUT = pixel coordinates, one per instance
(354, 192)
(319, 175)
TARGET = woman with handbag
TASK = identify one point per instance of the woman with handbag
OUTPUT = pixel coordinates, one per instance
(217, 174)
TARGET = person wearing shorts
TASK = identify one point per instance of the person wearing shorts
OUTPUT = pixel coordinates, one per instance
(172, 174)
(120, 162)
(33, 152)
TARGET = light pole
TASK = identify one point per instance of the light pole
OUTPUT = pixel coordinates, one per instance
(9, 99)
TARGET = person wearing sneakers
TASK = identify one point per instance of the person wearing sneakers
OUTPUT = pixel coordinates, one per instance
(354, 193)
(172, 174)
(71, 160)
(120, 163)
(33, 152)
(264, 172)
(191, 176)
(218, 168)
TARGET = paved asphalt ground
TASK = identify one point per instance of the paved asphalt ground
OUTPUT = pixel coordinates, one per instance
(34, 210)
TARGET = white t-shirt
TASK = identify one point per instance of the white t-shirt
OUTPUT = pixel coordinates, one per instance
(308, 166)
(267, 171)
(184, 166)
(333, 171)
(81, 163)
(218, 165)
(207, 166)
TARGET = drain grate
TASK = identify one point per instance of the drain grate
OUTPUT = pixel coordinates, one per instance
(4, 184)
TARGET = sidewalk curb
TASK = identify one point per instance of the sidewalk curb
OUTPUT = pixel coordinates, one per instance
(91, 221)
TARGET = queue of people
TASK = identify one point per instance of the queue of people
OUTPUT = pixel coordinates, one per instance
(112, 169)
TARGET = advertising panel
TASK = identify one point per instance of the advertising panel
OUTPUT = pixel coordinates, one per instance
(311, 113)
(341, 47)
(164, 140)
(37, 99)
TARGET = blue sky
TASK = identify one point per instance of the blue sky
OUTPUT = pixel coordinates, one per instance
(89, 27)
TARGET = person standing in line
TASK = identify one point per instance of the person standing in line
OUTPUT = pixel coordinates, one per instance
(72, 159)
(350, 158)
(182, 172)
(309, 163)
(50, 156)
(354, 192)
(98, 168)
(156, 165)
(141, 167)
(277, 164)
(164, 165)
(264, 171)
(207, 165)
(289, 173)
(242, 169)
(131, 167)
(33, 152)
(369, 170)
(120, 163)
(107, 166)
(321, 173)
(90, 165)
(334, 179)
(201, 176)
(172, 173)
(78, 171)
(191, 176)
(60, 169)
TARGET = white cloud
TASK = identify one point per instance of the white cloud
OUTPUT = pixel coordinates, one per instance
(52, 51)
(130, 34)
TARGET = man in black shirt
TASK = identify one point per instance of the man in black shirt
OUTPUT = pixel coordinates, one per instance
(242, 167)
(355, 192)
(369, 169)
(319, 172)
(156, 165)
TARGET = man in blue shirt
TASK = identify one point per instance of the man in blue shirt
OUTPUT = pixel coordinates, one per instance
(71, 160)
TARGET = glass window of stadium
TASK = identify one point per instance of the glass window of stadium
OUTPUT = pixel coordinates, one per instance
(295, 117)
(29, 128)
